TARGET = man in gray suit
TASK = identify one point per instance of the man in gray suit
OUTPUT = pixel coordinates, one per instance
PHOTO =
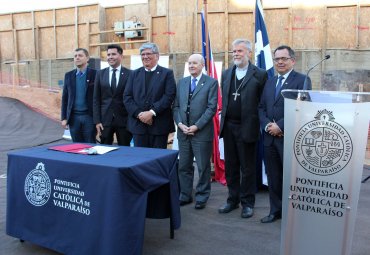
(193, 110)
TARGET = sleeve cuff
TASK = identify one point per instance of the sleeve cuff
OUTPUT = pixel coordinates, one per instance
(153, 112)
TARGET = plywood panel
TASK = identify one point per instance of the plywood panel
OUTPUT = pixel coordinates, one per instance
(65, 16)
(83, 36)
(65, 47)
(94, 51)
(26, 49)
(183, 7)
(159, 35)
(241, 26)
(213, 5)
(88, 13)
(216, 26)
(241, 6)
(159, 7)
(364, 28)
(181, 31)
(277, 23)
(44, 18)
(6, 46)
(22, 20)
(341, 31)
(112, 15)
(46, 43)
(5, 22)
(307, 28)
(140, 11)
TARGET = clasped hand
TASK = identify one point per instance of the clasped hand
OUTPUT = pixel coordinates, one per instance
(146, 117)
(274, 130)
(188, 130)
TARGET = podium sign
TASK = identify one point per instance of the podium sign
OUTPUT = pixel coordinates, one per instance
(325, 140)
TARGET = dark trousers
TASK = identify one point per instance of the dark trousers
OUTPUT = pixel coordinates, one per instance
(240, 166)
(151, 141)
(274, 169)
(82, 128)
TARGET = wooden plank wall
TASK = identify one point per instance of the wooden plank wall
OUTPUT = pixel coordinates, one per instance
(47, 34)
(175, 27)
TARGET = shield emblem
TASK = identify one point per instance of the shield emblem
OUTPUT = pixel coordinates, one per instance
(322, 148)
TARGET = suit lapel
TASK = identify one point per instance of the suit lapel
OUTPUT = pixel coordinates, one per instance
(122, 79)
(199, 85)
(248, 75)
(226, 86)
(106, 78)
(286, 83)
(185, 87)
(157, 72)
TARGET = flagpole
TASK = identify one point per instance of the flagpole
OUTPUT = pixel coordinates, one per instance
(206, 34)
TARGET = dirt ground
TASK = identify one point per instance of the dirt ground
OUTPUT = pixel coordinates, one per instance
(42, 100)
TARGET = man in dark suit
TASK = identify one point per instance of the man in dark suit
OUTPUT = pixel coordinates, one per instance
(148, 98)
(242, 86)
(193, 111)
(271, 115)
(110, 115)
(77, 99)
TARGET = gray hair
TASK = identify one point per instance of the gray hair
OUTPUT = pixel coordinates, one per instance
(246, 43)
(152, 46)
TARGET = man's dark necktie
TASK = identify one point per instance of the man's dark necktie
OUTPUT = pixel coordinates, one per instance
(113, 82)
(278, 86)
(193, 84)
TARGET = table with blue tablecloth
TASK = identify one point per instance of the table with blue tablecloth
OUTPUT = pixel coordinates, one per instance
(90, 204)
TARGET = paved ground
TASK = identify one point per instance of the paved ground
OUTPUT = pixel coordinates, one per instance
(202, 232)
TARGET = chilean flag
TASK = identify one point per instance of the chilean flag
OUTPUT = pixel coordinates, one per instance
(263, 56)
(219, 164)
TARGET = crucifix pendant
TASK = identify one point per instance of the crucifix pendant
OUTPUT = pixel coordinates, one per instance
(236, 94)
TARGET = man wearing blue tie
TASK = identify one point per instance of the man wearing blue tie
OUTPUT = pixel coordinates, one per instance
(77, 99)
(193, 110)
(271, 114)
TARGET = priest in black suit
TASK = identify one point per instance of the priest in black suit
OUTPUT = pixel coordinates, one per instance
(271, 114)
(110, 115)
(242, 86)
(148, 98)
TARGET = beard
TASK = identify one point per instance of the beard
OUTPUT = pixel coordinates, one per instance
(241, 62)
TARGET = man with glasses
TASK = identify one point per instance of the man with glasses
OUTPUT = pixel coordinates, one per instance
(242, 86)
(148, 98)
(271, 114)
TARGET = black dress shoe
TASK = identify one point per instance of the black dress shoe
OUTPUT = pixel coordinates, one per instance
(183, 202)
(271, 218)
(247, 212)
(226, 208)
(200, 205)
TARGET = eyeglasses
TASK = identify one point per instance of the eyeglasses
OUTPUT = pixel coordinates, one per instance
(284, 59)
(147, 54)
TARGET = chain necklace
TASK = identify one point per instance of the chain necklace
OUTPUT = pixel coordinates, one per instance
(236, 94)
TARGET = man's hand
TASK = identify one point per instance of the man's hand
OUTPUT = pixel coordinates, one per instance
(192, 130)
(188, 130)
(274, 130)
(146, 117)
(64, 124)
(99, 128)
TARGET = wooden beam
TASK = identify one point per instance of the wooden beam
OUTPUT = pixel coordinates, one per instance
(124, 42)
(118, 30)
